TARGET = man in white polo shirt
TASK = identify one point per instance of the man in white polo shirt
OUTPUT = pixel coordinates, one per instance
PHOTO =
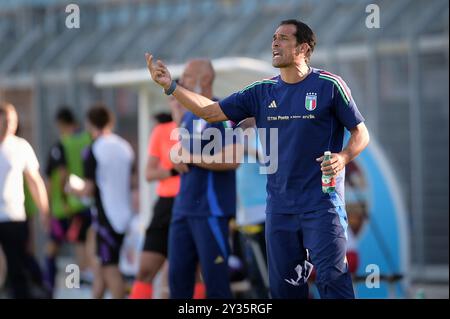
(17, 159)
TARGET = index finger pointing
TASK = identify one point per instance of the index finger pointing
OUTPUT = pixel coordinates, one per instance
(149, 59)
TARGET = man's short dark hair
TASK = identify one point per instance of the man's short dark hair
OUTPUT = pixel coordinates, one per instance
(304, 34)
(65, 115)
(163, 117)
(100, 116)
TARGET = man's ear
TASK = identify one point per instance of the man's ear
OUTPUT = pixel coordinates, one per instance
(304, 47)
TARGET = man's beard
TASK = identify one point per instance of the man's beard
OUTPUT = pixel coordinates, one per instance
(280, 65)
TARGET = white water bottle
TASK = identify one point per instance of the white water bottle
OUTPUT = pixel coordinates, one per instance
(328, 181)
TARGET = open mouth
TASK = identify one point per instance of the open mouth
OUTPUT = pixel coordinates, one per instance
(275, 54)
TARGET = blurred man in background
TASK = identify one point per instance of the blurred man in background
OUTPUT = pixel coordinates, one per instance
(108, 168)
(71, 218)
(17, 159)
(206, 201)
(161, 169)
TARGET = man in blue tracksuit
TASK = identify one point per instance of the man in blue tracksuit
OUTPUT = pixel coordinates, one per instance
(206, 201)
(309, 108)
